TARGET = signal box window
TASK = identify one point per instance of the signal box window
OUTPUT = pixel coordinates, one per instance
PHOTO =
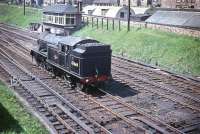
(70, 19)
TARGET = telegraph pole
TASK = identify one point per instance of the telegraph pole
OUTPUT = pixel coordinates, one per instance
(129, 14)
(24, 7)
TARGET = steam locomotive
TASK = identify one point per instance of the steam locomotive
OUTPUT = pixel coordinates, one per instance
(80, 60)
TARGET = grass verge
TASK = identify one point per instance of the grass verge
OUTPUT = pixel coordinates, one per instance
(168, 50)
(14, 118)
(14, 15)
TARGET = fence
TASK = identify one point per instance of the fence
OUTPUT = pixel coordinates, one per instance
(107, 23)
(33, 12)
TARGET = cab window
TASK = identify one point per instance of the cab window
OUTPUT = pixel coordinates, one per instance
(67, 49)
(63, 48)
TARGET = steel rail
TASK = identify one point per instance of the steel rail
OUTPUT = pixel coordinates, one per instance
(28, 37)
(154, 90)
(142, 113)
(64, 101)
(178, 85)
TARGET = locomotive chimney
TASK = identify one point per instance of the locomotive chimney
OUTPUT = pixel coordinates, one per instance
(79, 5)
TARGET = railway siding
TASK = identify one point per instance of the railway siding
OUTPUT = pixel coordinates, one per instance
(36, 92)
(89, 105)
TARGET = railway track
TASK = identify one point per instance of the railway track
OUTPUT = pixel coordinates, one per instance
(184, 95)
(20, 33)
(118, 120)
(177, 83)
(62, 115)
(134, 77)
(148, 122)
(89, 104)
(120, 117)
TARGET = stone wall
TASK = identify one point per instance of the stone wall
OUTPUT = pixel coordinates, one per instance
(178, 30)
(134, 3)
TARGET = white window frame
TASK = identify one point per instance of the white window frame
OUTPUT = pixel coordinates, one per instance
(59, 19)
(70, 16)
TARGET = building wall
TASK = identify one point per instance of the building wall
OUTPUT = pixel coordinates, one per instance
(180, 4)
(198, 4)
(134, 2)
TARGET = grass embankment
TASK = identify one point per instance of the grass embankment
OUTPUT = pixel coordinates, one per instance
(14, 118)
(14, 15)
(168, 50)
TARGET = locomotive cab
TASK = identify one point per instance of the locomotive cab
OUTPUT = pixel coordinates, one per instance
(42, 47)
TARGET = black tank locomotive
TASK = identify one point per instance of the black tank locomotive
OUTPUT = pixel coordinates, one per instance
(80, 60)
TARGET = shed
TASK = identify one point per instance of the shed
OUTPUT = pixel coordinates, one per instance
(176, 18)
(101, 10)
(89, 9)
(119, 12)
(139, 10)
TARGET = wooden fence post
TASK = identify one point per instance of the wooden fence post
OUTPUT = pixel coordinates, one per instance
(102, 23)
(97, 23)
(107, 23)
(113, 24)
(87, 21)
(92, 22)
(119, 25)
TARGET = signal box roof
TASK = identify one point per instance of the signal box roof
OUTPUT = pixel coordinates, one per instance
(60, 9)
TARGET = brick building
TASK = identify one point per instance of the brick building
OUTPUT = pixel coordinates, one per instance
(180, 4)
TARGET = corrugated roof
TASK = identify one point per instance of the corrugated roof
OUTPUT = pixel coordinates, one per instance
(60, 8)
(87, 8)
(194, 21)
(176, 18)
(113, 11)
(98, 10)
(68, 40)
